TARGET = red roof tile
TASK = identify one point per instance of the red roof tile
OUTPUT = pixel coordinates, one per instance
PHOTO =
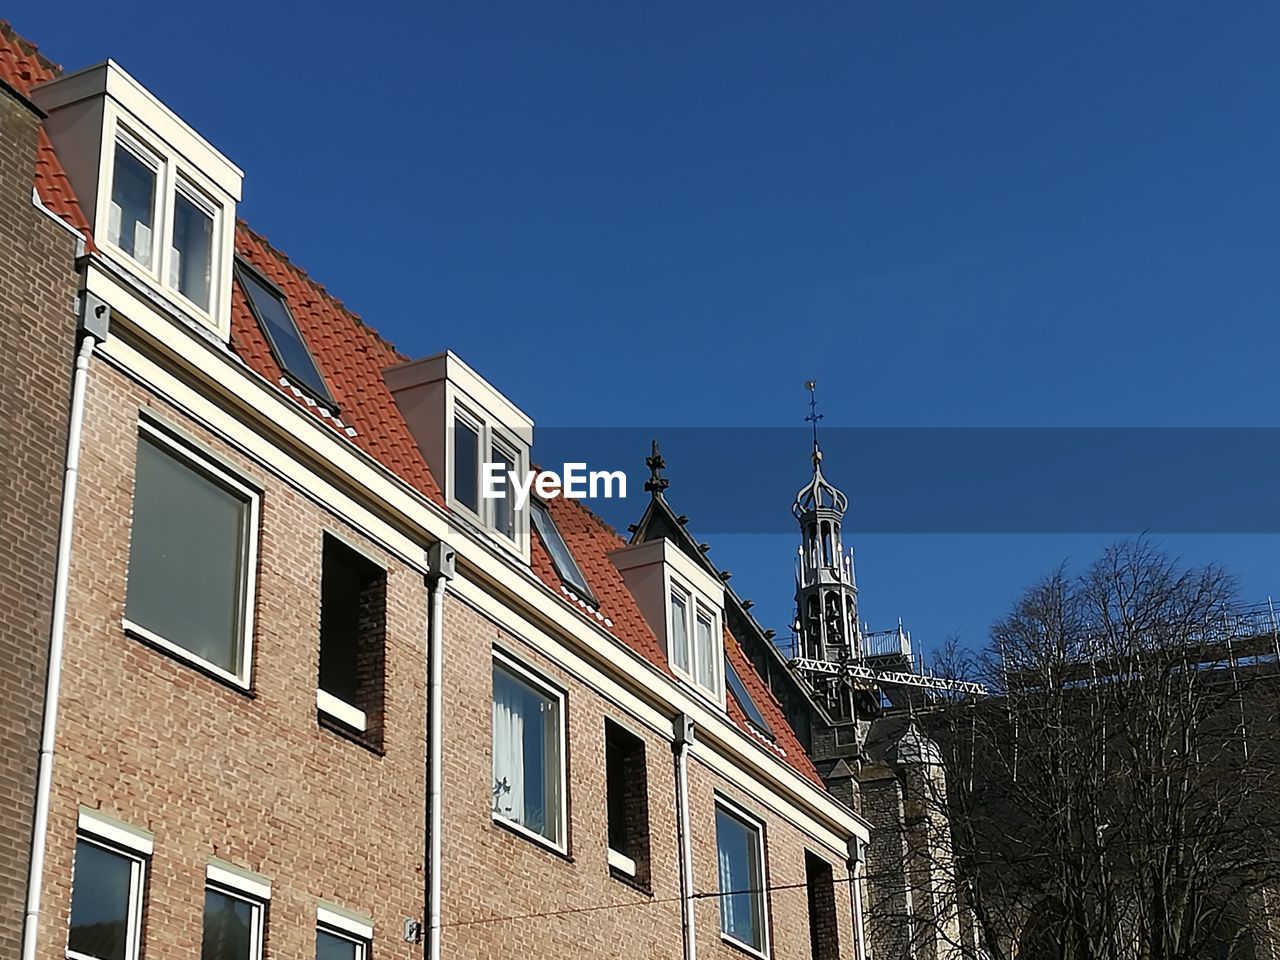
(22, 67)
(351, 357)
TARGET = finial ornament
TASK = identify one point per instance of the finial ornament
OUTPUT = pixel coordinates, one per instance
(813, 418)
(656, 482)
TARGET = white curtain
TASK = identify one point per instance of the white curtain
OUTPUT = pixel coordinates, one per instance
(727, 886)
(508, 749)
(704, 654)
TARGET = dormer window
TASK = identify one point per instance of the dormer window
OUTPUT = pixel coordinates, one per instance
(133, 201)
(151, 196)
(160, 199)
(473, 438)
(695, 645)
(684, 605)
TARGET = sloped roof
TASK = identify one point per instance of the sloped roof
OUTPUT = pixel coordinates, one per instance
(22, 66)
(351, 356)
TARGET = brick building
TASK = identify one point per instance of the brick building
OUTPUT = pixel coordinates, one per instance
(311, 693)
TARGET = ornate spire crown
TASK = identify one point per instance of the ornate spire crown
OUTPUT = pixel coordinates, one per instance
(819, 493)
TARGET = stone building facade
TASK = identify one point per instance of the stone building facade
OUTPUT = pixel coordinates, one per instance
(314, 695)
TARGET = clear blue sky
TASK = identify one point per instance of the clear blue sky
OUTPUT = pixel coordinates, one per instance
(950, 214)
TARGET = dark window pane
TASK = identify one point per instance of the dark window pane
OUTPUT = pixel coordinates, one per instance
(282, 334)
(331, 947)
(191, 258)
(466, 465)
(133, 198)
(187, 557)
(566, 567)
(228, 927)
(741, 880)
(352, 627)
(504, 512)
(748, 705)
(100, 902)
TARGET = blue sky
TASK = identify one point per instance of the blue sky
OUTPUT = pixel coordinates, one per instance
(673, 214)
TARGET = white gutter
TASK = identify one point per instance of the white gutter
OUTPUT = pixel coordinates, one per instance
(683, 729)
(441, 559)
(57, 633)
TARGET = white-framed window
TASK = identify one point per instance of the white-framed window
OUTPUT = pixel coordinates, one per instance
(164, 222)
(107, 884)
(477, 443)
(235, 906)
(341, 935)
(131, 223)
(192, 554)
(744, 903)
(696, 646)
(529, 785)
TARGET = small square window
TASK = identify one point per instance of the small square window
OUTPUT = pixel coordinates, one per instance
(336, 945)
(232, 925)
(353, 624)
(106, 903)
(133, 202)
(191, 556)
(743, 904)
(528, 752)
(191, 256)
(627, 801)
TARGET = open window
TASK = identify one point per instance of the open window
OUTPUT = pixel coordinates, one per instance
(353, 626)
(627, 801)
(745, 700)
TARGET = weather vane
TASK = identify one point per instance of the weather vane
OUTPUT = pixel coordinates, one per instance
(813, 417)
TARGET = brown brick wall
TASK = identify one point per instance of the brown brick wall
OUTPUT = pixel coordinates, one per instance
(249, 778)
(37, 344)
(256, 781)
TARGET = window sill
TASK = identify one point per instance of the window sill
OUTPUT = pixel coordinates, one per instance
(622, 863)
(535, 838)
(746, 948)
(341, 711)
(186, 657)
(630, 880)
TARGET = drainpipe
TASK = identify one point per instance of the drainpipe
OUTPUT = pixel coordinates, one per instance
(857, 854)
(683, 728)
(441, 560)
(93, 324)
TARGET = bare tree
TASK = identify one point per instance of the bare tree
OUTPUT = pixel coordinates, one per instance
(1118, 795)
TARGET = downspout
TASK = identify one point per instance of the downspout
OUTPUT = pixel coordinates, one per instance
(683, 729)
(441, 560)
(92, 327)
(857, 854)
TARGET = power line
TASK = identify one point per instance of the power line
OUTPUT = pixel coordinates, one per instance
(652, 901)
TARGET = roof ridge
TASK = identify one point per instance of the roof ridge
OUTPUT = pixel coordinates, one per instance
(320, 288)
(29, 48)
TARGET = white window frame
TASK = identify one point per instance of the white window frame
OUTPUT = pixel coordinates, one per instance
(695, 604)
(183, 184)
(345, 926)
(134, 845)
(247, 887)
(489, 436)
(131, 142)
(551, 691)
(172, 177)
(202, 463)
(756, 825)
